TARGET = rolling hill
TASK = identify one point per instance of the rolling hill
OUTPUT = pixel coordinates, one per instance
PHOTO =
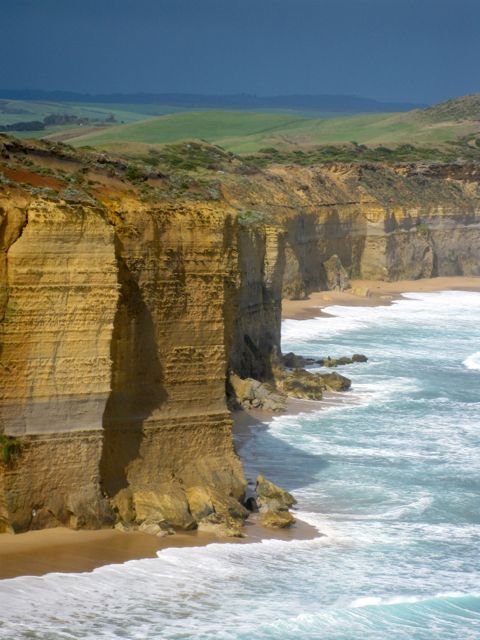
(247, 132)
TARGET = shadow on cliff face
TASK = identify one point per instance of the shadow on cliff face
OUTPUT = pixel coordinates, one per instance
(261, 452)
(252, 307)
(311, 241)
(304, 271)
(137, 381)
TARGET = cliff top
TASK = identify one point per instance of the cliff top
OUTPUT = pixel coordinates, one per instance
(198, 172)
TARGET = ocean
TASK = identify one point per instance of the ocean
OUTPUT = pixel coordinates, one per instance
(389, 473)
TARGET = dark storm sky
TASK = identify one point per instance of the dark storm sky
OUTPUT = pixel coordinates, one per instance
(408, 50)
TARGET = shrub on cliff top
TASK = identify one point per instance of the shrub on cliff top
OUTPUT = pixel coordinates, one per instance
(135, 173)
(190, 156)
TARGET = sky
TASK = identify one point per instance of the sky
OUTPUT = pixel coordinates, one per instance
(392, 50)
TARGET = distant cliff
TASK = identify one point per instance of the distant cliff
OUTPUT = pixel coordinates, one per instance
(127, 296)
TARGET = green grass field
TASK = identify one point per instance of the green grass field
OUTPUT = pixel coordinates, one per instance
(204, 125)
(247, 132)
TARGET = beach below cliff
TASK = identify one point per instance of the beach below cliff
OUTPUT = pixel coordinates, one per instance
(62, 550)
(372, 293)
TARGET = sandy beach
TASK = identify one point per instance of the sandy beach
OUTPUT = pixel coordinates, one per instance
(64, 550)
(371, 293)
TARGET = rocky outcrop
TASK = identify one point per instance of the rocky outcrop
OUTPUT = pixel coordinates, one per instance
(277, 519)
(274, 504)
(253, 394)
(128, 310)
(308, 385)
(294, 361)
(342, 361)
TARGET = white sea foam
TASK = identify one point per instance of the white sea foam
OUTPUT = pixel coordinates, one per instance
(413, 308)
(473, 361)
(375, 601)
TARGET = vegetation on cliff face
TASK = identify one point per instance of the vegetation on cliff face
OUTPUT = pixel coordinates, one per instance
(10, 448)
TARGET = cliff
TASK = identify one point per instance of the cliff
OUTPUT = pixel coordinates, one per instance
(128, 295)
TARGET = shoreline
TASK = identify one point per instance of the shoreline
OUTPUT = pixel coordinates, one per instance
(372, 293)
(63, 550)
(36, 553)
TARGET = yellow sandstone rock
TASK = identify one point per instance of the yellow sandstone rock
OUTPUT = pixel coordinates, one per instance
(122, 314)
(277, 519)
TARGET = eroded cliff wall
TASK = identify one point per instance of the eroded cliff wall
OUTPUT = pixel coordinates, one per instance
(385, 223)
(122, 314)
(113, 359)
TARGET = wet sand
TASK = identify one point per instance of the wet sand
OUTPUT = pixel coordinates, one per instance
(372, 293)
(62, 550)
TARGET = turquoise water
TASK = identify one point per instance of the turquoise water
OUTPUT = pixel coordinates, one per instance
(390, 476)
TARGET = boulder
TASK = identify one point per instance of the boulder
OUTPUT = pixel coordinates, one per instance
(292, 361)
(253, 394)
(226, 506)
(359, 357)
(272, 497)
(216, 512)
(277, 519)
(336, 274)
(223, 526)
(167, 502)
(300, 383)
(336, 362)
(336, 382)
(307, 385)
(125, 527)
(160, 529)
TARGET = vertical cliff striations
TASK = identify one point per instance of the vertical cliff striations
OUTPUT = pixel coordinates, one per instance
(125, 306)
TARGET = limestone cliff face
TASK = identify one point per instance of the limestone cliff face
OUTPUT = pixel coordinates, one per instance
(383, 223)
(166, 421)
(113, 361)
(121, 317)
(60, 295)
(255, 296)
